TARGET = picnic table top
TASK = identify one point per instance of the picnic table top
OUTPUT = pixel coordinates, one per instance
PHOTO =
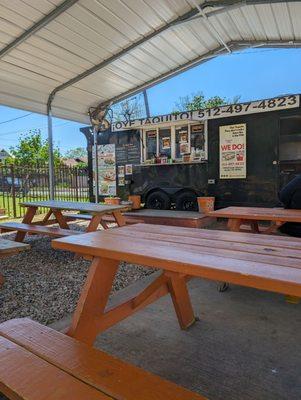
(75, 206)
(258, 213)
(9, 247)
(261, 261)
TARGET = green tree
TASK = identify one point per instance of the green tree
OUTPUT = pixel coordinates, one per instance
(32, 149)
(78, 152)
(197, 101)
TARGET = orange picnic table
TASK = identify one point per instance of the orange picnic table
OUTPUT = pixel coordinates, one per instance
(238, 216)
(96, 214)
(260, 261)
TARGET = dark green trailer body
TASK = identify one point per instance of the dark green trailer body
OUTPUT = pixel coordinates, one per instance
(273, 143)
(269, 167)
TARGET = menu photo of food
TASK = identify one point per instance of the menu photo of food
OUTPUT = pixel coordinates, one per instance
(121, 171)
(106, 154)
(166, 144)
(183, 136)
(129, 169)
(229, 155)
(121, 181)
(108, 174)
(184, 148)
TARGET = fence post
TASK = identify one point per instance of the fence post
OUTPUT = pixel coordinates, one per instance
(13, 190)
(76, 182)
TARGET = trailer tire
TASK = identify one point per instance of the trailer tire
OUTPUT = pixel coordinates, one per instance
(158, 200)
(186, 201)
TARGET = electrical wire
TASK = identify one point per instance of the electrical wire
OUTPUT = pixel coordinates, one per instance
(14, 119)
(30, 129)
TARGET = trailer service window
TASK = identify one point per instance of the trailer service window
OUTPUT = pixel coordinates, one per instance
(176, 142)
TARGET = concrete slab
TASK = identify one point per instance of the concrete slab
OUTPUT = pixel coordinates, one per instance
(246, 346)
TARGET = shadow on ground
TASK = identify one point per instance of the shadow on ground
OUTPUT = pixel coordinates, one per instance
(246, 346)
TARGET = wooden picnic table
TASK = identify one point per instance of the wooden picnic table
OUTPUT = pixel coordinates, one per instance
(238, 216)
(260, 261)
(56, 207)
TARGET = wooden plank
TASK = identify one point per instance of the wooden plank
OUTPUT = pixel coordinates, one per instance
(257, 213)
(98, 369)
(260, 239)
(119, 218)
(28, 217)
(171, 218)
(269, 252)
(75, 206)
(93, 299)
(187, 260)
(266, 255)
(128, 221)
(24, 375)
(85, 217)
(9, 246)
(60, 219)
(38, 229)
(181, 299)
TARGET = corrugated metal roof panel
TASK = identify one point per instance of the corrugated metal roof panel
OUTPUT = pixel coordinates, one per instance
(92, 31)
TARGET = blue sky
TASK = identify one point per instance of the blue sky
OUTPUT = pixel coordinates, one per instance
(252, 74)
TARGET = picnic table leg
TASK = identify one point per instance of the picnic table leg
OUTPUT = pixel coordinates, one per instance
(181, 299)
(60, 219)
(93, 299)
(47, 216)
(234, 224)
(93, 224)
(1, 280)
(119, 218)
(28, 217)
(254, 227)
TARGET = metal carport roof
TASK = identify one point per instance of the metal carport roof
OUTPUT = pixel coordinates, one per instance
(91, 52)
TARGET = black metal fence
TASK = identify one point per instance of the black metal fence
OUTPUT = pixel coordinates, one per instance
(19, 184)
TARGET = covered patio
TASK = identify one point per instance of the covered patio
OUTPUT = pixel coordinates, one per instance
(75, 59)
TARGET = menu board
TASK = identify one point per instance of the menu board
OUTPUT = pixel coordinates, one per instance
(232, 140)
(107, 169)
(127, 154)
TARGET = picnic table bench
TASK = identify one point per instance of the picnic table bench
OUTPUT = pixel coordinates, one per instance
(97, 212)
(238, 216)
(2, 214)
(260, 261)
(38, 363)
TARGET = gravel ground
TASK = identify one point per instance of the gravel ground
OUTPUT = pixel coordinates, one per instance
(44, 284)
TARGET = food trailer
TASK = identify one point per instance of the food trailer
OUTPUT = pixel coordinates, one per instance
(239, 153)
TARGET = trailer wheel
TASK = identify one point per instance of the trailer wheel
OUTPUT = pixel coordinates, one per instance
(186, 201)
(158, 200)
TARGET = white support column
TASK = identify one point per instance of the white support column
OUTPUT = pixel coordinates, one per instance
(95, 166)
(50, 155)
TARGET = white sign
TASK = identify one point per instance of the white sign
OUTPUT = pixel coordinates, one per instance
(232, 151)
(107, 169)
(259, 106)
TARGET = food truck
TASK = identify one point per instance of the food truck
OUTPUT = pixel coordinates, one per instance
(241, 154)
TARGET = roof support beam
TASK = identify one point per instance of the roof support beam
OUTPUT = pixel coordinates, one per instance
(224, 3)
(37, 26)
(188, 15)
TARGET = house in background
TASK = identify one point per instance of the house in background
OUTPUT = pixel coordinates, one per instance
(75, 162)
(3, 155)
